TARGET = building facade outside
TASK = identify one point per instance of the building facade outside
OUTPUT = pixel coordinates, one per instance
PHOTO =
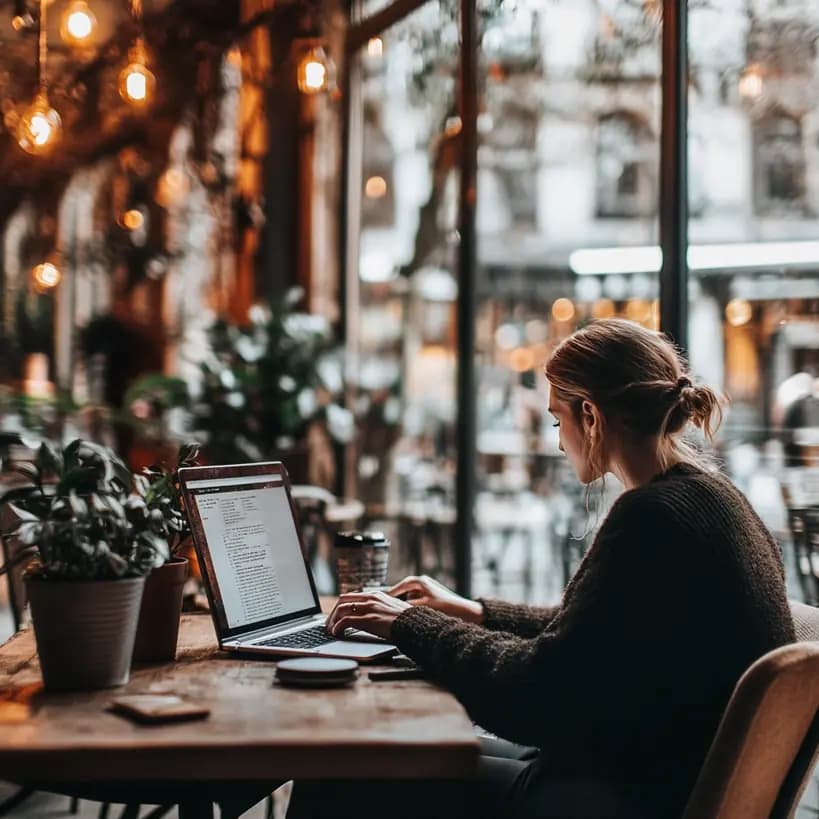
(567, 221)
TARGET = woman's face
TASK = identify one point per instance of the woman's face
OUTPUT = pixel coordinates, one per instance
(574, 437)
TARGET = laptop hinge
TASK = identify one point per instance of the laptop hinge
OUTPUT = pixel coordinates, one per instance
(249, 636)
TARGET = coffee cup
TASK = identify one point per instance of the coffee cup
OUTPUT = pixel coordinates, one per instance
(362, 560)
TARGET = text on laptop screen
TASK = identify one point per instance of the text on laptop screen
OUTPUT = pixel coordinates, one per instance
(254, 547)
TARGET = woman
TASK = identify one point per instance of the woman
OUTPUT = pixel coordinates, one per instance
(621, 687)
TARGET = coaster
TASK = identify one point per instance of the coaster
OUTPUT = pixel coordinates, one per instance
(316, 672)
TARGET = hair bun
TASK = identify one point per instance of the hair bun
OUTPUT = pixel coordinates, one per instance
(683, 383)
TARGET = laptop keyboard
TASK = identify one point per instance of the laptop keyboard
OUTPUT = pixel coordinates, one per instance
(312, 637)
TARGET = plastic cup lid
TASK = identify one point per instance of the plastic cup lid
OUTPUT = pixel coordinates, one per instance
(356, 538)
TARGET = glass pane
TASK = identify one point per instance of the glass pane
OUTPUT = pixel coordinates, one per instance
(754, 325)
(567, 221)
(404, 363)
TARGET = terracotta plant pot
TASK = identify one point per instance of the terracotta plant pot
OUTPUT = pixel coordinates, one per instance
(159, 615)
(85, 630)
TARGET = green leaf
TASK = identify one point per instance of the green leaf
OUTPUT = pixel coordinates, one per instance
(49, 460)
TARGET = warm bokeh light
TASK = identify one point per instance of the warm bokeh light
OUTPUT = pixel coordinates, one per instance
(376, 187)
(78, 23)
(46, 276)
(522, 359)
(172, 187)
(375, 47)
(563, 310)
(133, 219)
(39, 127)
(638, 310)
(738, 312)
(21, 21)
(752, 82)
(136, 83)
(603, 308)
(313, 73)
(655, 314)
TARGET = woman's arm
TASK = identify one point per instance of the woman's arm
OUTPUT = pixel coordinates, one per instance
(522, 620)
(578, 671)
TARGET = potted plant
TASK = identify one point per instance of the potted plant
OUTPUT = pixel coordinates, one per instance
(85, 538)
(158, 627)
(267, 385)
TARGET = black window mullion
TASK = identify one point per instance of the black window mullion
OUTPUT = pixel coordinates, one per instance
(466, 430)
(674, 173)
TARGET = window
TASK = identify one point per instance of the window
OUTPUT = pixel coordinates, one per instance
(508, 161)
(779, 163)
(626, 179)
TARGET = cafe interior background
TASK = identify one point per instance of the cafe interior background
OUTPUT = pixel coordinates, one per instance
(245, 228)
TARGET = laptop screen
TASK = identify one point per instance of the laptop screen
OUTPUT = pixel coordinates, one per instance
(246, 534)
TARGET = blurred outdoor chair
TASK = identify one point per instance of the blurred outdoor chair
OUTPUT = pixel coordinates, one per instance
(321, 514)
(804, 525)
(767, 742)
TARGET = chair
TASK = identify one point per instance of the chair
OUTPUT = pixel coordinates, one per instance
(768, 740)
(320, 515)
(804, 524)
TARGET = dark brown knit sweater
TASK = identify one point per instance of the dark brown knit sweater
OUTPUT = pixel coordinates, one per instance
(626, 680)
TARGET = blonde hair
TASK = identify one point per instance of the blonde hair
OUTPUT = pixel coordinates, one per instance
(639, 380)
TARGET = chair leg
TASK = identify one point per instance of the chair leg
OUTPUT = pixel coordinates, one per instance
(131, 811)
(75, 806)
(104, 808)
(16, 799)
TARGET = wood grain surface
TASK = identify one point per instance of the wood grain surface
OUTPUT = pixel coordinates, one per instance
(257, 730)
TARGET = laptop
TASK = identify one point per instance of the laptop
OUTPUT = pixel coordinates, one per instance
(262, 594)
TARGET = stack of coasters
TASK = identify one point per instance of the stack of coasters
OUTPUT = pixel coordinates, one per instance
(316, 672)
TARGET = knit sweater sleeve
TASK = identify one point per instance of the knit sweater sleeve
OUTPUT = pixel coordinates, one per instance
(563, 681)
(522, 620)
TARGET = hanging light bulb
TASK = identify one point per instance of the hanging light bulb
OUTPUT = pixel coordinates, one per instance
(136, 82)
(39, 127)
(46, 276)
(314, 71)
(78, 23)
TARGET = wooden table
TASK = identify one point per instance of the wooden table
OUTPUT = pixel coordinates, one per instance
(257, 731)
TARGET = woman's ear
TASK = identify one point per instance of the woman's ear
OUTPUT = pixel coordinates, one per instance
(591, 419)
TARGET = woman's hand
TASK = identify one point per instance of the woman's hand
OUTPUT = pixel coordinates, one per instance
(374, 612)
(424, 591)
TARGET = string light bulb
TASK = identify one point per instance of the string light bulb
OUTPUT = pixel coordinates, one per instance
(78, 23)
(314, 71)
(40, 125)
(46, 276)
(136, 83)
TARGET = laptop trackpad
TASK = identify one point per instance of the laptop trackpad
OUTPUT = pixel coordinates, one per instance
(353, 648)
